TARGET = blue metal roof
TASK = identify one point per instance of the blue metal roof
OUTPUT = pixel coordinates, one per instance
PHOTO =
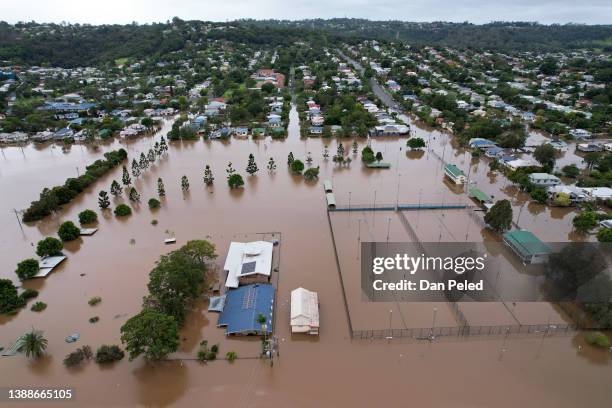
(243, 305)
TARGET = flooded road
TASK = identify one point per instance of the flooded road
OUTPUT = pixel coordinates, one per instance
(328, 371)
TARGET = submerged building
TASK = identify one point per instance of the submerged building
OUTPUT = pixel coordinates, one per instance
(242, 308)
(454, 173)
(247, 263)
(527, 246)
(304, 311)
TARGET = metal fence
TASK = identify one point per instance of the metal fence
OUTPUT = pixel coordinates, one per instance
(430, 333)
(402, 207)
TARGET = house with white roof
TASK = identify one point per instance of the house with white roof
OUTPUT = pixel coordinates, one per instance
(247, 263)
(544, 179)
(304, 311)
(598, 193)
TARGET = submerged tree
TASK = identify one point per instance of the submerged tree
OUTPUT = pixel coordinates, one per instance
(126, 179)
(545, 154)
(144, 162)
(49, 247)
(499, 217)
(415, 143)
(312, 173)
(184, 184)
(309, 158)
(32, 344)
(271, 165)
(135, 169)
(252, 166)
(134, 195)
(151, 156)
(230, 170)
(103, 201)
(157, 149)
(297, 166)
(290, 158)
(115, 188)
(208, 176)
(235, 181)
(340, 150)
(151, 333)
(355, 147)
(325, 152)
(161, 191)
(163, 146)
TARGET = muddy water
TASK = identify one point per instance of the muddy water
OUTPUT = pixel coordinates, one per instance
(327, 371)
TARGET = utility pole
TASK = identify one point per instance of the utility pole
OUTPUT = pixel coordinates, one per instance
(519, 216)
(18, 220)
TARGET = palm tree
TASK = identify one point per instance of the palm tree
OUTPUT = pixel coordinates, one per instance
(32, 344)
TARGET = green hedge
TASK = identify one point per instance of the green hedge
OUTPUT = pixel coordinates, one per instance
(51, 199)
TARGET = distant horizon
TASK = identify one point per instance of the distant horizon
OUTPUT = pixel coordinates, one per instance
(478, 12)
(40, 22)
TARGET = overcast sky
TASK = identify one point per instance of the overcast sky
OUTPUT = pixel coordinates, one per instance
(476, 11)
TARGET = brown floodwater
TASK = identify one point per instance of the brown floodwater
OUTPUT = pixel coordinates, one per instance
(330, 370)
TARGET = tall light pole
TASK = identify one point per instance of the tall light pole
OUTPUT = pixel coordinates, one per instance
(359, 238)
(433, 323)
(390, 336)
(374, 212)
(503, 347)
(399, 177)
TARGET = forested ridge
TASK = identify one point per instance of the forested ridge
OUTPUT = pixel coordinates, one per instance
(79, 45)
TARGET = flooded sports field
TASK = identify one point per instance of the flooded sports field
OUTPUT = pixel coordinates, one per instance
(330, 370)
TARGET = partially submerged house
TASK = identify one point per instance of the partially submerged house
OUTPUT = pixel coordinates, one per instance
(47, 264)
(454, 173)
(575, 194)
(242, 309)
(481, 197)
(304, 311)
(527, 246)
(598, 193)
(327, 186)
(544, 180)
(479, 143)
(331, 200)
(248, 263)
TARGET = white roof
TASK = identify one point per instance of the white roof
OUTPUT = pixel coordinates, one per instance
(304, 309)
(598, 192)
(88, 231)
(47, 264)
(518, 163)
(258, 256)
